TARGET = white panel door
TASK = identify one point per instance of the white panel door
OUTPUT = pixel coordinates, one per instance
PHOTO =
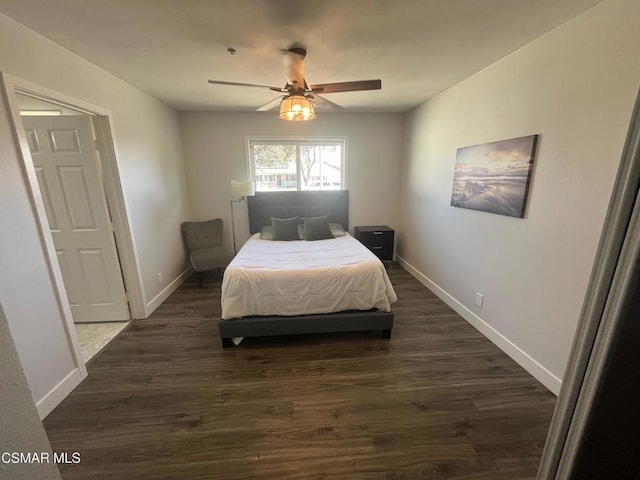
(66, 164)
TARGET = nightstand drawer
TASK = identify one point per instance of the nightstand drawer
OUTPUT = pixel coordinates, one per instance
(378, 239)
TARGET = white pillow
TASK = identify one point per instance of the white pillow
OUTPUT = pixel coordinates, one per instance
(337, 230)
(265, 233)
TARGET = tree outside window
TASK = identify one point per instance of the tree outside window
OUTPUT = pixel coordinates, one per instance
(297, 165)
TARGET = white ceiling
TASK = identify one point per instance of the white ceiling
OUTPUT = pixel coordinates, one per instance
(170, 48)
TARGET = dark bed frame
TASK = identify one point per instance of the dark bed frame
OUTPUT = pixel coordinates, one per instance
(262, 207)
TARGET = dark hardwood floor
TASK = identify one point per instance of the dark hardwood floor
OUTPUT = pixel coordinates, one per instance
(436, 401)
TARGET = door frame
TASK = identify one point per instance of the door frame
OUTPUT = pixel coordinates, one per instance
(605, 312)
(102, 121)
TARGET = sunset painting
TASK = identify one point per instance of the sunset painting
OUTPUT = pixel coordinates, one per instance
(494, 177)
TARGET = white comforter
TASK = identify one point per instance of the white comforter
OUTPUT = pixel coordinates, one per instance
(300, 277)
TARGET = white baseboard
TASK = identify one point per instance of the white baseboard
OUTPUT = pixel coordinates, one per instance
(538, 371)
(168, 290)
(58, 393)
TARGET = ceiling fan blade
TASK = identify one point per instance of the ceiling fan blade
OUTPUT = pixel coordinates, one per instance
(270, 105)
(324, 104)
(347, 86)
(237, 84)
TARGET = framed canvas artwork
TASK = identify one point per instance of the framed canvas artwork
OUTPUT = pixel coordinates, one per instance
(494, 177)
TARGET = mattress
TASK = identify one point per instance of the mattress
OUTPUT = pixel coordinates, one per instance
(301, 277)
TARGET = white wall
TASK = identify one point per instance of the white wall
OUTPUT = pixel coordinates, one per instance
(149, 154)
(148, 144)
(20, 427)
(215, 153)
(576, 87)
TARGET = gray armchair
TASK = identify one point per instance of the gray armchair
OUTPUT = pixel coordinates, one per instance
(204, 244)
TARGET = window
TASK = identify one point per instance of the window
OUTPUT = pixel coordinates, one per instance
(297, 164)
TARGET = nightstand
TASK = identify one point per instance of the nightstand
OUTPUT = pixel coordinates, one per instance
(378, 239)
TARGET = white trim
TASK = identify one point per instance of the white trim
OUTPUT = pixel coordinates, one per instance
(125, 240)
(168, 290)
(103, 123)
(538, 371)
(58, 393)
(10, 84)
(124, 236)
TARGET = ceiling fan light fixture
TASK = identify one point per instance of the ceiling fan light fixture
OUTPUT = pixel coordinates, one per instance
(297, 108)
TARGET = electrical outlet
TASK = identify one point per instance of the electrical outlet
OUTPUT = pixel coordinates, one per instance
(159, 278)
(479, 299)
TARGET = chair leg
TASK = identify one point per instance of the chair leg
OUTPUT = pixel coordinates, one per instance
(200, 279)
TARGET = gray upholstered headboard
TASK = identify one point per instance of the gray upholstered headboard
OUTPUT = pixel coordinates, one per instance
(264, 205)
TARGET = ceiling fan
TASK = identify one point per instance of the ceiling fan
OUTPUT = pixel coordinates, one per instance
(299, 100)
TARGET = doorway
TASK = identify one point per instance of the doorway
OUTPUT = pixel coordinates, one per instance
(64, 146)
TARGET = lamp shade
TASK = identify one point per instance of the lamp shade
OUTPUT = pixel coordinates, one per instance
(297, 108)
(242, 189)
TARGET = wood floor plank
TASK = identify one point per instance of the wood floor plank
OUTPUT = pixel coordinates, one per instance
(436, 401)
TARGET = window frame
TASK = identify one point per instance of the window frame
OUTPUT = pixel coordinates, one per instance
(298, 142)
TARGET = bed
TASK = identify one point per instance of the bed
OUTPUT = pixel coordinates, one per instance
(297, 287)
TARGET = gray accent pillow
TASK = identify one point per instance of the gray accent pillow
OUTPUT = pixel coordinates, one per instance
(317, 228)
(336, 229)
(267, 234)
(284, 228)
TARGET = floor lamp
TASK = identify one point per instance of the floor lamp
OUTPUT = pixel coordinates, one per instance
(240, 190)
